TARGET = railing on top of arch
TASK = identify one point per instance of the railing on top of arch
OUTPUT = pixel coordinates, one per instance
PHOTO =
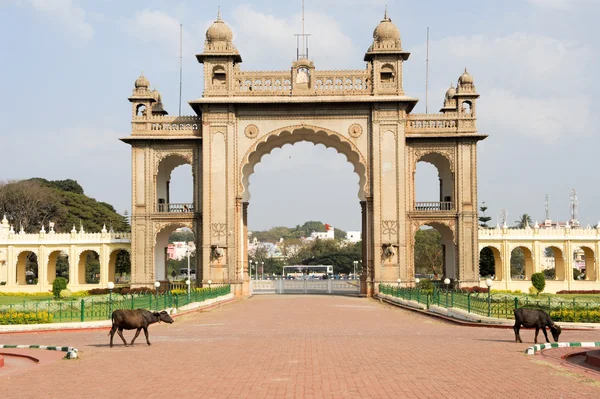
(497, 305)
(434, 206)
(176, 208)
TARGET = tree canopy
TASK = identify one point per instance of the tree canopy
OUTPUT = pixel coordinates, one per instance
(35, 202)
(305, 230)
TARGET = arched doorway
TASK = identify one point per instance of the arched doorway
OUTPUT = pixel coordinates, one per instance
(490, 263)
(555, 261)
(434, 187)
(58, 266)
(27, 268)
(338, 189)
(435, 252)
(89, 267)
(174, 185)
(170, 252)
(521, 263)
(119, 266)
(585, 261)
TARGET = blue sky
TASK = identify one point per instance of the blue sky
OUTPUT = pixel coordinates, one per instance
(68, 67)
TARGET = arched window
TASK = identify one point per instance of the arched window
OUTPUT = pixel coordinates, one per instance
(140, 110)
(219, 77)
(387, 74)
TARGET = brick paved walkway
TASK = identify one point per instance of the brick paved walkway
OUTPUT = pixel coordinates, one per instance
(301, 347)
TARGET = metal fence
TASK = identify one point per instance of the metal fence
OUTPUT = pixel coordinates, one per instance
(283, 286)
(498, 305)
(99, 307)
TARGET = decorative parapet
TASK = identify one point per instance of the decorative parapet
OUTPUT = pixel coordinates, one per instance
(66, 238)
(163, 125)
(450, 122)
(323, 83)
(499, 234)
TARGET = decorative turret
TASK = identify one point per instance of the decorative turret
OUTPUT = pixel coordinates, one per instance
(449, 100)
(142, 98)
(157, 107)
(385, 56)
(466, 94)
(219, 58)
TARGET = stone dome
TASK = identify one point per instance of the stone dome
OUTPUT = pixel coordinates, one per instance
(156, 95)
(142, 82)
(219, 31)
(386, 30)
(465, 78)
(451, 92)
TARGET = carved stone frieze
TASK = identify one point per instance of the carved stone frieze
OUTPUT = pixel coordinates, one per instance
(219, 230)
(389, 228)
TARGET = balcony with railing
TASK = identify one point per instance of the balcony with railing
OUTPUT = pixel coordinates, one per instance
(434, 206)
(176, 208)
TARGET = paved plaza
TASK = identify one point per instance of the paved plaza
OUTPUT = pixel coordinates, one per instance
(302, 347)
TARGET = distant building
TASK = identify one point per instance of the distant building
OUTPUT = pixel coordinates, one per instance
(353, 236)
(327, 235)
(177, 250)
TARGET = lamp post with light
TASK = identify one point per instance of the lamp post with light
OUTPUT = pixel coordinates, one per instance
(250, 261)
(489, 283)
(156, 285)
(110, 286)
(188, 282)
(447, 282)
(355, 264)
(262, 270)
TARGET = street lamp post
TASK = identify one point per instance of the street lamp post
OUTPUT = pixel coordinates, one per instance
(489, 283)
(250, 261)
(156, 285)
(209, 283)
(190, 249)
(355, 263)
(262, 270)
(111, 286)
(447, 282)
(188, 282)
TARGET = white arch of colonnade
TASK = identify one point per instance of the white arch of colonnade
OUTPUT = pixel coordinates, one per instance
(45, 245)
(502, 241)
(564, 241)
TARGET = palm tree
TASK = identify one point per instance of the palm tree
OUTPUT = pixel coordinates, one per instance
(523, 221)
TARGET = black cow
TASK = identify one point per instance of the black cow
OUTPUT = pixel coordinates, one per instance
(537, 318)
(125, 319)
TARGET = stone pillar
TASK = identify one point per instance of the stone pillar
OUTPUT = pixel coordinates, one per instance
(246, 274)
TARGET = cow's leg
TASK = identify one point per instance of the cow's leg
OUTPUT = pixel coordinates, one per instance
(516, 327)
(136, 335)
(146, 332)
(112, 334)
(120, 332)
(545, 333)
(537, 331)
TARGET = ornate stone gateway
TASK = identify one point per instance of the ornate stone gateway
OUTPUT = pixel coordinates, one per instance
(363, 114)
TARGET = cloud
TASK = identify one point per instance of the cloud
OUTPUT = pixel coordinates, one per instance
(67, 14)
(159, 28)
(262, 38)
(527, 81)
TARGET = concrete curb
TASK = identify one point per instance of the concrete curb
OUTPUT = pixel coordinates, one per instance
(104, 324)
(72, 353)
(540, 347)
(462, 317)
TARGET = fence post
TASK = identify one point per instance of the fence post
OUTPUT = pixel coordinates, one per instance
(132, 305)
(469, 302)
(82, 310)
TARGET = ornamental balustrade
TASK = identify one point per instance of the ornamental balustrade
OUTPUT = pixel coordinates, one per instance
(434, 206)
(440, 123)
(159, 125)
(176, 208)
(322, 83)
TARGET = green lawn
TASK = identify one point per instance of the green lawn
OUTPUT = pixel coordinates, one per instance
(11, 300)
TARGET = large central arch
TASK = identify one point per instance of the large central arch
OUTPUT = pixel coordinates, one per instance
(294, 134)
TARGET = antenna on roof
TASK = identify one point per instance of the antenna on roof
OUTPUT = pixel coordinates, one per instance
(426, 73)
(574, 206)
(180, 63)
(547, 205)
(302, 54)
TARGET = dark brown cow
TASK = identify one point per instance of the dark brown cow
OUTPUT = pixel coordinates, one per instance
(126, 319)
(537, 318)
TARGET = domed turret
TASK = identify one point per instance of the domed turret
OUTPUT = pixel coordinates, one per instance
(219, 31)
(450, 93)
(386, 40)
(142, 82)
(219, 41)
(386, 30)
(465, 78)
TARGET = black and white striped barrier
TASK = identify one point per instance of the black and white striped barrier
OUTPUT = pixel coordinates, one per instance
(72, 353)
(539, 347)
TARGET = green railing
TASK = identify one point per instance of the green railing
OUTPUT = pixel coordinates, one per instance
(100, 307)
(497, 305)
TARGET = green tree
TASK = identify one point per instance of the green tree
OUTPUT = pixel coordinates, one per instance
(429, 253)
(58, 285)
(92, 268)
(483, 219)
(523, 221)
(538, 281)
(517, 262)
(62, 265)
(487, 263)
(123, 263)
